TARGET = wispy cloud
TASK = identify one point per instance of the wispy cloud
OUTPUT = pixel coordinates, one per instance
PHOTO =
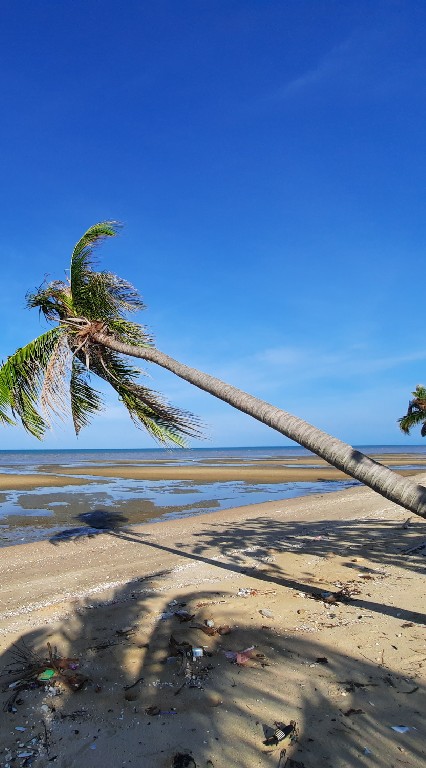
(289, 367)
(343, 363)
(332, 64)
(357, 64)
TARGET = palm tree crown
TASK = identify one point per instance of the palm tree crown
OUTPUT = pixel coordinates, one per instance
(34, 381)
(416, 412)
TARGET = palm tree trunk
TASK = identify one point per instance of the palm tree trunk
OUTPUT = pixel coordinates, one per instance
(392, 486)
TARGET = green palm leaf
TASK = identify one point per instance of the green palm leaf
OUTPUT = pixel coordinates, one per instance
(53, 395)
(130, 333)
(104, 296)
(21, 381)
(85, 401)
(147, 409)
(414, 419)
(416, 413)
(53, 299)
(81, 270)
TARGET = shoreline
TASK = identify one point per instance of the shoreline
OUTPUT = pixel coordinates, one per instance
(58, 499)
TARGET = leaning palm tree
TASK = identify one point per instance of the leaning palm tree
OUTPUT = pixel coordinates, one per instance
(92, 335)
(416, 412)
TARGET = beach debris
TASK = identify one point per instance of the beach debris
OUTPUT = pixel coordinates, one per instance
(27, 750)
(240, 657)
(343, 595)
(246, 592)
(281, 732)
(388, 679)
(174, 608)
(154, 711)
(204, 603)
(206, 629)
(403, 728)
(31, 671)
(179, 648)
(183, 760)
(211, 631)
(266, 613)
(128, 687)
(125, 631)
(189, 663)
(321, 660)
(46, 675)
(184, 616)
(352, 685)
(417, 548)
(209, 623)
(352, 711)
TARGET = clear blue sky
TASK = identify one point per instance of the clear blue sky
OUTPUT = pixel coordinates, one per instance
(268, 161)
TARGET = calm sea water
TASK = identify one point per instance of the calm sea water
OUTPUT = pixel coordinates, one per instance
(51, 512)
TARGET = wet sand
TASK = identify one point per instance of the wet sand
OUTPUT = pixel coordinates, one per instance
(12, 482)
(346, 673)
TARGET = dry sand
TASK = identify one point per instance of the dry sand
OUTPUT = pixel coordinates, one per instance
(346, 673)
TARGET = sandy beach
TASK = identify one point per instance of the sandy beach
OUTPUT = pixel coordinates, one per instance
(326, 591)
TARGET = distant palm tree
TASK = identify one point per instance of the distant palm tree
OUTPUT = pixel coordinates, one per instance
(416, 412)
(91, 335)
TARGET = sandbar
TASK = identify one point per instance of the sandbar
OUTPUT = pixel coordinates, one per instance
(261, 471)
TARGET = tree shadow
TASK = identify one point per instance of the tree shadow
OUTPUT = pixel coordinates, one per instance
(382, 541)
(247, 546)
(93, 523)
(344, 706)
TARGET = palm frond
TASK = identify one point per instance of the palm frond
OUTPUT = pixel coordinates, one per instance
(53, 396)
(83, 250)
(5, 419)
(411, 420)
(123, 295)
(130, 333)
(85, 401)
(21, 379)
(420, 393)
(82, 258)
(53, 300)
(104, 296)
(147, 409)
(416, 412)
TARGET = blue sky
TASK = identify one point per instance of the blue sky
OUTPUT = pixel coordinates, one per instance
(268, 161)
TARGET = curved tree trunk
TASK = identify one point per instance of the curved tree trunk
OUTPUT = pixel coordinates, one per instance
(392, 486)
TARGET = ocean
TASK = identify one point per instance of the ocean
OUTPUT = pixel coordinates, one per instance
(50, 512)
